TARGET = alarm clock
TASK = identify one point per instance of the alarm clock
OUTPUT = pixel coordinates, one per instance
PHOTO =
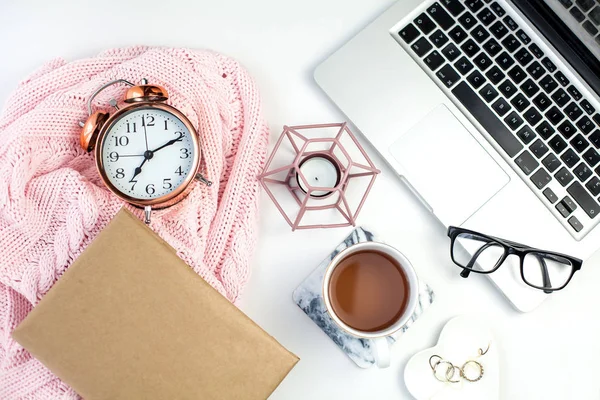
(147, 152)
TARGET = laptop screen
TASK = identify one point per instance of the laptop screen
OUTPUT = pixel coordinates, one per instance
(564, 40)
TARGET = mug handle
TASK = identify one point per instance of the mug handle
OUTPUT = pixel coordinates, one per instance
(381, 351)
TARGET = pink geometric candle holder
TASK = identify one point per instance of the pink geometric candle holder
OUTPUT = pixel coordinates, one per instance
(318, 176)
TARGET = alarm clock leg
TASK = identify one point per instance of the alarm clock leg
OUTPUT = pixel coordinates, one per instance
(147, 212)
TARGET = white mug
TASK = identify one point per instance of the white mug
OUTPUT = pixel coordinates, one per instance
(379, 343)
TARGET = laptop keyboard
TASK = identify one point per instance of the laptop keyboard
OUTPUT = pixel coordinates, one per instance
(529, 107)
(586, 13)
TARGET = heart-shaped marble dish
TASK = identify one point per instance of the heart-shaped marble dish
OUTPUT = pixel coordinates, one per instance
(459, 342)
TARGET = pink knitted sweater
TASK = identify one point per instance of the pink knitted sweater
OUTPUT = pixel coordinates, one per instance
(53, 203)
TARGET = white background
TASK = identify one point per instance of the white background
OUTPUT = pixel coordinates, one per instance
(551, 353)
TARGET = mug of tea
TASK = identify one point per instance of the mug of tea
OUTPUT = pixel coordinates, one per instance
(371, 290)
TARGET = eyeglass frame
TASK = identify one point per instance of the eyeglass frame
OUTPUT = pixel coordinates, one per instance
(510, 248)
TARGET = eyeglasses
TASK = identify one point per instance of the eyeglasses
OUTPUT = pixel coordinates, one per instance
(544, 270)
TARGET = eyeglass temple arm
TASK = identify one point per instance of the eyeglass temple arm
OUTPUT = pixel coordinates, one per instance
(467, 269)
(545, 275)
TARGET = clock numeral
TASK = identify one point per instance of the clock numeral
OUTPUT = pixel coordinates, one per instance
(185, 153)
(167, 183)
(113, 156)
(150, 189)
(134, 182)
(166, 128)
(180, 134)
(120, 173)
(150, 121)
(129, 127)
(121, 141)
(178, 171)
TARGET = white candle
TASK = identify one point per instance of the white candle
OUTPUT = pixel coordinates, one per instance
(319, 171)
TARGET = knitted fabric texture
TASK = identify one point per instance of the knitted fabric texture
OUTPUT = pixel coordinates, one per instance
(53, 202)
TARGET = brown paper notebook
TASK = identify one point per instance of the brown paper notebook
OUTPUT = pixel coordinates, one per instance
(130, 320)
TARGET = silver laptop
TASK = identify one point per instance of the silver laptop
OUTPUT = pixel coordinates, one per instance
(489, 111)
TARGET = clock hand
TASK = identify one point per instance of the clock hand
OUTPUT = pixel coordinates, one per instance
(169, 143)
(145, 132)
(138, 170)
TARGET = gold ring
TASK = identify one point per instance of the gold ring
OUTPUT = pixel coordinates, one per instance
(450, 368)
(462, 371)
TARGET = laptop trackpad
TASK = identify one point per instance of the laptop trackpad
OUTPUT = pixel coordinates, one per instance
(447, 166)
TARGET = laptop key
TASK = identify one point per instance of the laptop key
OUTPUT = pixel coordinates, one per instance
(545, 130)
(490, 122)
(517, 74)
(498, 29)
(438, 38)
(538, 148)
(551, 162)
(512, 25)
(526, 162)
(505, 61)
(585, 201)
(575, 224)
(554, 115)
(594, 15)
(495, 75)
(548, 84)
(595, 138)
(548, 64)
(523, 56)
(463, 65)
(577, 14)
(511, 43)
(422, 47)
(451, 52)
(530, 88)
(550, 195)
(520, 102)
(561, 97)
(542, 101)
(570, 158)
(486, 16)
(579, 143)
(409, 33)
(574, 92)
(488, 93)
(582, 172)
(526, 134)
(569, 204)
(439, 15)
(523, 37)
(566, 3)
(434, 60)
(585, 5)
(474, 5)
(567, 129)
(482, 61)
(558, 144)
(454, 6)
(424, 23)
(532, 116)
(470, 48)
(590, 28)
(536, 70)
(507, 89)
(561, 78)
(513, 120)
(593, 186)
(448, 75)
(562, 209)
(497, 8)
(467, 20)
(492, 47)
(592, 157)
(458, 34)
(480, 34)
(585, 124)
(476, 79)
(535, 49)
(573, 111)
(563, 176)
(587, 107)
(541, 178)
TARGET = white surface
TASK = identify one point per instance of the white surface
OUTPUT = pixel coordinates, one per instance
(550, 353)
(459, 342)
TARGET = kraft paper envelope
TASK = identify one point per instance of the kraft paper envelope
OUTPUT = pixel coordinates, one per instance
(130, 320)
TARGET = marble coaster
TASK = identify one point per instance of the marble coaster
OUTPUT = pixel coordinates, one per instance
(309, 297)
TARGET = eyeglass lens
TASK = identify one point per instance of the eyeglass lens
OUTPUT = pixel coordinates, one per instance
(477, 253)
(546, 271)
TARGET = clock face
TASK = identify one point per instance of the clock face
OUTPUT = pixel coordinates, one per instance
(148, 153)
